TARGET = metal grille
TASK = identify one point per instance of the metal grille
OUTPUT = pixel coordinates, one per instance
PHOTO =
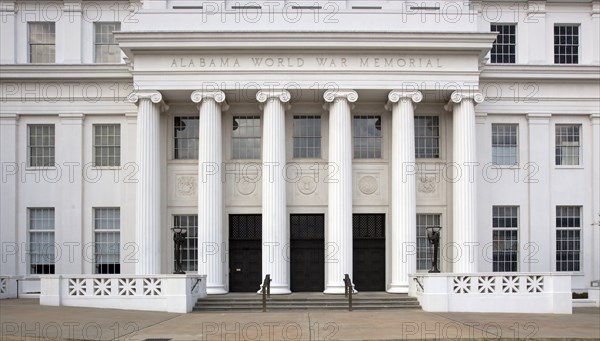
(567, 144)
(41, 240)
(424, 247)
(368, 226)
(504, 144)
(189, 250)
(186, 137)
(307, 136)
(503, 50)
(367, 137)
(107, 50)
(566, 44)
(41, 145)
(307, 226)
(246, 137)
(505, 238)
(107, 235)
(568, 238)
(427, 137)
(42, 44)
(245, 227)
(107, 144)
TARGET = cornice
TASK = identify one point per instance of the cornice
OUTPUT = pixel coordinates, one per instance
(64, 71)
(540, 72)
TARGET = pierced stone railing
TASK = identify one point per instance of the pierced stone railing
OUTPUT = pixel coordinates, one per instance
(493, 292)
(170, 293)
(8, 286)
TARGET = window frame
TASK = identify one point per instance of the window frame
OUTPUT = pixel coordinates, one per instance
(579, 127)
(96, 44)
(96, 230)
(175, 138)
(94, 146)
(494, 43)
(379, 157)
(429, 248)
(505, 229)
(30, 44)
(259, 137)
(318, 137)
(517, 152)
(52, 147)
(52, 231)
(439, 136)
(569, 228)
(554, 44)
(188, 248)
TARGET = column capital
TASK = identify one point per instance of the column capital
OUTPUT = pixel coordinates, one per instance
(263, 95)
(396, 96)
(217, 95)
(595, 118)
(347, 94)
(458, 96)
(154, 96)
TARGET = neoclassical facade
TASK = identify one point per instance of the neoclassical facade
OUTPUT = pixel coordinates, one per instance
(286, 140)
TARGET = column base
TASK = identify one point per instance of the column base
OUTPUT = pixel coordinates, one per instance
(216, 290)
(398, 288)
(278, 289)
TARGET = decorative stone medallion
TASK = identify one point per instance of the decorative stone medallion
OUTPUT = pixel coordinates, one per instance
(368, 185)
(306, 185)
(246, 187)
(426, 184)
(186, 185)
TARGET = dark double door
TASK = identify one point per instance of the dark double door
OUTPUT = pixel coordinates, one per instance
(307, 252)
(245, 252)
(368, 256)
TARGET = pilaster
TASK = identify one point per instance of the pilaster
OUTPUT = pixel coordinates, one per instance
(10, 247)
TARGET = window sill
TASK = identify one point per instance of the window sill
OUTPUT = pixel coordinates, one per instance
(568, 167)
(40, 168)
(106, 167)
(513, 167)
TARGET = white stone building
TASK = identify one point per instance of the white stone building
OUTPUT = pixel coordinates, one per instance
(301, 139)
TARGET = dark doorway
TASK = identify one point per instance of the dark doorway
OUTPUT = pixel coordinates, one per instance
(368, 256)
(245, 251)
(307, 252)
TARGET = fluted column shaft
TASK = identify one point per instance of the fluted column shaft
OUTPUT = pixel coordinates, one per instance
(148, 196)
(464, 197)
(275, 232)
(211, 249)
(338, 236)
(403, 204)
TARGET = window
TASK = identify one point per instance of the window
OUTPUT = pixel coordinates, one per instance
(567, 144)
(504, 144)
(41, 42)
(568, 238)
(246, 137)
(503, 50)
(106, 50)
(307, 136)
(424, 247)
(566, 44)
(367, 137)
(427, 137)
(41, 241)
(107, 225)
(189, 250)
(107, 145)
(186, 136)
(505, 238)
(41, 145)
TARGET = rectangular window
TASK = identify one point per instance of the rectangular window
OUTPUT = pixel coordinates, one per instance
(567, 144)
(107, 145)
(504, 144)
(367, 137)
(505, 238)
(107, 236)
(106, 50)
(427, 137)
(566, 44)
(307, 136)
(424, 247)
(41, 241)
(503, 50)
(189, 250)
(42, 44)
(186, 135)
(568, 238)
(40, 144)
(246, 137)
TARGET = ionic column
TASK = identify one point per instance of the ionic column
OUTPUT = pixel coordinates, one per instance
(275, 233)
(147, 212)
(210, 190)
(403, 205)
(464, 196)
(338, 236)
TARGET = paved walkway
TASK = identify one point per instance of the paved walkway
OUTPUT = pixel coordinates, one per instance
(25, 319)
